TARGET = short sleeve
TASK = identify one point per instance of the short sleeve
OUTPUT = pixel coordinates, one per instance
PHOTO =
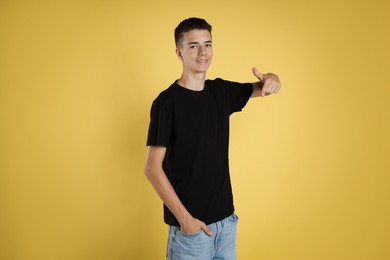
(239, 94)
(160, 126)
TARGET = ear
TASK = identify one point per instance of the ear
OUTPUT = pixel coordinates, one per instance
(178, 53)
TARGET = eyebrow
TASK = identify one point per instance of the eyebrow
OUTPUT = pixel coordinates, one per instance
(198, 42)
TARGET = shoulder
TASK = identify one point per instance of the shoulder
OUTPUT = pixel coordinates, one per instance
(219, 82)
(216, 85)
(165, 97)
(215, 82)
(227, 84)
(223, 85)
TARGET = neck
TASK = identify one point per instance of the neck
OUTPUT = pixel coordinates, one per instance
(192, 81)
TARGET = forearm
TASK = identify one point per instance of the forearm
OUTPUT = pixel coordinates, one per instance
(257, 87)
(165, 191)
(156, 175)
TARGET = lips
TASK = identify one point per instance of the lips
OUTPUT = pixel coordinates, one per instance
(202, 61)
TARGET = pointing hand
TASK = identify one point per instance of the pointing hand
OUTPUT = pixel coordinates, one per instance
(270, 81)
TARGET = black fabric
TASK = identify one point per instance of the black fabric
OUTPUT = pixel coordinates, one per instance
(194, 126)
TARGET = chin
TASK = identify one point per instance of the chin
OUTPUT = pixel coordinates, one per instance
(202, 68)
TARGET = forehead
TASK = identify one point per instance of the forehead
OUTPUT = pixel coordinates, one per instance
(196, 36)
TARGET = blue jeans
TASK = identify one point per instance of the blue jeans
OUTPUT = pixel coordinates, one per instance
(200, 246)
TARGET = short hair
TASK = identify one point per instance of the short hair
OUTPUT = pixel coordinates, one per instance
(190, 24)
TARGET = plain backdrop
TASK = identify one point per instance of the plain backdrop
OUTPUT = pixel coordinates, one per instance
(310, 165)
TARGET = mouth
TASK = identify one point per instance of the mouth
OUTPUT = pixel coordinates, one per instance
(202, 61)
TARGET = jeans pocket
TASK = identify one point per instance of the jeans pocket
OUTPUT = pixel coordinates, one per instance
(190, 246)
(188, 235)
(233, 217)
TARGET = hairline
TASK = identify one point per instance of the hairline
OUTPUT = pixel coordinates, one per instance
(180, 42)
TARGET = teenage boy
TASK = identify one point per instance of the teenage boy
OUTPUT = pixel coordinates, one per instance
(187, 149)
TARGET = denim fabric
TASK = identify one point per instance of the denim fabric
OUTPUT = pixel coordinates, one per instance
(200, 246)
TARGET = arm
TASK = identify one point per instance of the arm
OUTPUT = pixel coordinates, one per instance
(268, 84)
(156, 176)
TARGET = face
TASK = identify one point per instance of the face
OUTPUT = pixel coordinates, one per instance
(196, 51)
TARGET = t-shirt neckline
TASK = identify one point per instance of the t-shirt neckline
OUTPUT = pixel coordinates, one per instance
(194, 92)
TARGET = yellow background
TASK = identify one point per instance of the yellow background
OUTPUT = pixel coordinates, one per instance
(310, 165)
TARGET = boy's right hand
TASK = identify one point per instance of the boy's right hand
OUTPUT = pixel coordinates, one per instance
(193, 225)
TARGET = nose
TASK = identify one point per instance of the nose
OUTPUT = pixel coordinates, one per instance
(202, 50)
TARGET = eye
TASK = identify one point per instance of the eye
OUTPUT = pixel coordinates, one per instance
(193, 46)
(208, 44)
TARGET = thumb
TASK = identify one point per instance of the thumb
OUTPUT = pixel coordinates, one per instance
(257, 74)
(207, 230)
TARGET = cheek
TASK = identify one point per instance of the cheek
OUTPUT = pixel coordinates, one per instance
(192, 53)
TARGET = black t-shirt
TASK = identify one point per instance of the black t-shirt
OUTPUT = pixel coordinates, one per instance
(194, 127)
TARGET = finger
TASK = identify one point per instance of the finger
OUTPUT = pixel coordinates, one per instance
(265, 89)
(207, 230)
(257, 74)
(272, 87)
(275, 87)
(263, 92)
